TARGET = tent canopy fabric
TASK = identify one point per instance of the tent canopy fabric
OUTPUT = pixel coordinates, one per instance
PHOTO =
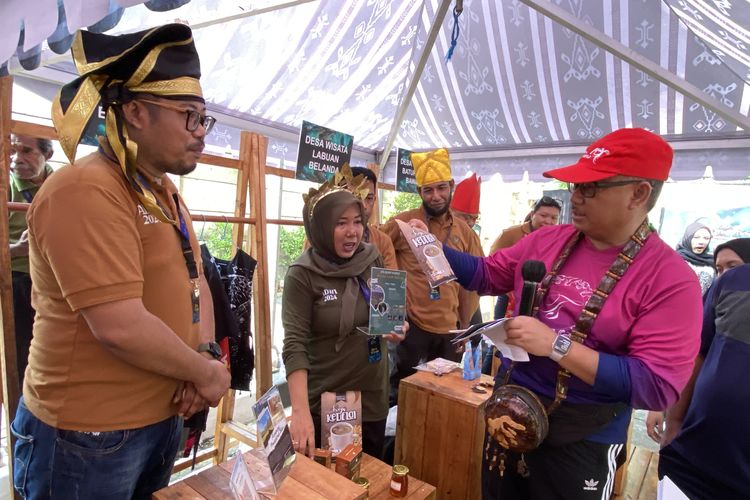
(517, 78)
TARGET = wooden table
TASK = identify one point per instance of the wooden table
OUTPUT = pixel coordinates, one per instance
(440, 432)
(307, 479)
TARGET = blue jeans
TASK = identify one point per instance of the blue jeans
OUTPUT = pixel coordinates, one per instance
(56, 463)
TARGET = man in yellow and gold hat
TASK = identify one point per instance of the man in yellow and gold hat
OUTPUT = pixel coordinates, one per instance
(122, 347)
(432, 312)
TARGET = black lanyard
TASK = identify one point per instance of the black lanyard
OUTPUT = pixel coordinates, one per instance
(192, 267)
(187, 250)
(27, 195)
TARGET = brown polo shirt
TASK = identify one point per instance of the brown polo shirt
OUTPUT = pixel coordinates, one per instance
(510, 236)
(384, 246)
(91, 243)
(454, 306)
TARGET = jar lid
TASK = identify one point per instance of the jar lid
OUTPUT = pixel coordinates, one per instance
(362, 481)
(400, 470)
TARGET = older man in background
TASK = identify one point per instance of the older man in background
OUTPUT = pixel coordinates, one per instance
(28, 170)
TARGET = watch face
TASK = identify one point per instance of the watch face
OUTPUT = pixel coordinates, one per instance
(562, 344)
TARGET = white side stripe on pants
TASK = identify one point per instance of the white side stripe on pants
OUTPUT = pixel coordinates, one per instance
(612, 453)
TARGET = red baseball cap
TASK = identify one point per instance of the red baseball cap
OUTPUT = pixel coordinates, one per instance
(633, 152)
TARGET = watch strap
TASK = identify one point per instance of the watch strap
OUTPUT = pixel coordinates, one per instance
(212, 348)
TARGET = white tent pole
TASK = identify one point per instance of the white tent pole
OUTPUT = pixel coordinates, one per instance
(566, 19)
(249, 13)
(437, 25)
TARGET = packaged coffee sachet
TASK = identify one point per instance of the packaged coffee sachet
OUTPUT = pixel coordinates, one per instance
(429, 254)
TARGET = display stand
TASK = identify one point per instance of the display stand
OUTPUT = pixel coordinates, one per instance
(448, 456)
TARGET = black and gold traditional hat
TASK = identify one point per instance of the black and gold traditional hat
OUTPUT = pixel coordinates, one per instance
(161, 61)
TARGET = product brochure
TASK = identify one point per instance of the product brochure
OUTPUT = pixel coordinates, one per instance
(387, 301)
(273, 433)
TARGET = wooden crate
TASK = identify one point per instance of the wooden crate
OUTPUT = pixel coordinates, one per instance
(440, 431)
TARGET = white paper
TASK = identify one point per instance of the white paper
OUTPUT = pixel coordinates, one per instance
(494, 333)
(667, 490)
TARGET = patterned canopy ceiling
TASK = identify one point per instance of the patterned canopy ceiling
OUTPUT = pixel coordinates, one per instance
(516, 78)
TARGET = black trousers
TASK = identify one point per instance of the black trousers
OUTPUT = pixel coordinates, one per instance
(581, 470)
(23, 317)
(419, 346)
(373, 436)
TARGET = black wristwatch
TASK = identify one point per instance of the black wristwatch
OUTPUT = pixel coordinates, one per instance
(212, 348)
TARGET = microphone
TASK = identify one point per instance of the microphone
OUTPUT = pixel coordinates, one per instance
(533, 272)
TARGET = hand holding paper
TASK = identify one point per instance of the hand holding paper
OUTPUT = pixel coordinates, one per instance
(494, 332)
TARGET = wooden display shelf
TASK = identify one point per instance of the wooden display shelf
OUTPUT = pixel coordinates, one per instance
(307, 479)
(440, 431)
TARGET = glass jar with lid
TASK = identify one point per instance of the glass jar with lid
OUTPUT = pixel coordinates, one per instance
(399, 481)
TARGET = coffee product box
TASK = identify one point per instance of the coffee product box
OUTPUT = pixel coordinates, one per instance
(323, 457)
(340, 420)
(348, 461)
(429, 254)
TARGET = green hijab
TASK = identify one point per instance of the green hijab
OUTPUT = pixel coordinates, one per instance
(321, 257)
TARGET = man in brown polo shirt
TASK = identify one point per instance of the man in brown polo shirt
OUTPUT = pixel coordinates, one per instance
(432, 312)
(123, 313)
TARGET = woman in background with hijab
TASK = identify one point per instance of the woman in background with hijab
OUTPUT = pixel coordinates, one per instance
(694, 249)
(326, 297)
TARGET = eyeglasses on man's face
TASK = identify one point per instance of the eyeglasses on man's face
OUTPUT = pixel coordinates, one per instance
(589, 189)
(194, 118)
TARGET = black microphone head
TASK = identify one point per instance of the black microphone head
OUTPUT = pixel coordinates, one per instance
(533, 270)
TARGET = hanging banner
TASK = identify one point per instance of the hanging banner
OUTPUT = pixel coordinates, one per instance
(321, 152)
(405, 180)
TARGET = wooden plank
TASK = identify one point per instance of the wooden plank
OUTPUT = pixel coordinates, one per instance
(240, 432)
(212, 483)
(285, 222)
(178, 491)
(637, 468)
(451, 386)
(8, 362)
(436, 443)
(650, 480)
(33, 130)
(219, 161)
(186, 463)
(410, 430)
(259, 245)
(475, 455)
(280, 172)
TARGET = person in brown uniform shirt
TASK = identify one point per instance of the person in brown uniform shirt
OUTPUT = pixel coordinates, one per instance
(432, 313)
(123, 312)
(372, 234)
(546, 212)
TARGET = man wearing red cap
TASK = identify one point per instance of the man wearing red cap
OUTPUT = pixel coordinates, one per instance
(616, 324)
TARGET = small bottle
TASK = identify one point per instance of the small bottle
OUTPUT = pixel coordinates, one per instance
(400, 481)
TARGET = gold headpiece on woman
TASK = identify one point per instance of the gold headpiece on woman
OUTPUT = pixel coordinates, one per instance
(343, 180)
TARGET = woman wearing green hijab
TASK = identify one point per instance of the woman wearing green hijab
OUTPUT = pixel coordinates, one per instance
(324, 301)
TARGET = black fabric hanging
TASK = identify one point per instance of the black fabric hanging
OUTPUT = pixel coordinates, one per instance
(231, 284)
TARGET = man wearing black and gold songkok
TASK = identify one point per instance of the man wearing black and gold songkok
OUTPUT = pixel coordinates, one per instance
(122, 345)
